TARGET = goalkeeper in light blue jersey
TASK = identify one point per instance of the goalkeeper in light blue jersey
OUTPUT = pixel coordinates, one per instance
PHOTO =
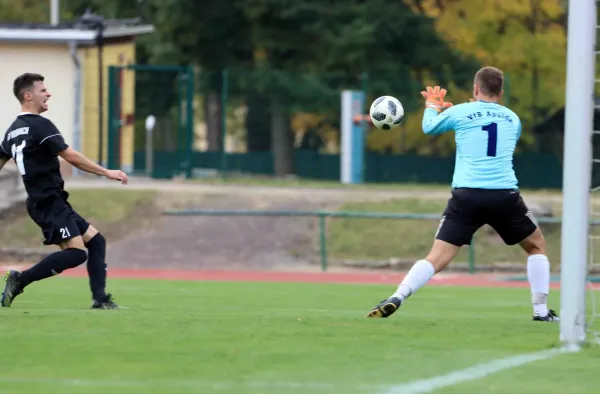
(486, 135)
(484, 190)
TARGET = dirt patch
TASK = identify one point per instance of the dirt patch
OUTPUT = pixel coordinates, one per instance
(205, 242)
(143, 215)
(13, 213)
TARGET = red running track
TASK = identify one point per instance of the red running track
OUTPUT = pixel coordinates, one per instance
(464, 280)
(450, 279)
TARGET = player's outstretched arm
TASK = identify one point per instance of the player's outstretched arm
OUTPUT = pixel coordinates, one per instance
(84, 164)
(436, 120)
(434, 124)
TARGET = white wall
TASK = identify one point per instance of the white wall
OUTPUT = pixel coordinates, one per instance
(12, 189)
(55, 64)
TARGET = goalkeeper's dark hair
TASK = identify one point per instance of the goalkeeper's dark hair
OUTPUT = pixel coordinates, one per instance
(25, 82)
(490, 81)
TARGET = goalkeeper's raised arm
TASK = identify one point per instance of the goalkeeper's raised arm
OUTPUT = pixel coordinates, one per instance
(437, 119)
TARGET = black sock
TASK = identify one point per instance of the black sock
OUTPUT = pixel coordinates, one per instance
(52, 265)
(96, 266)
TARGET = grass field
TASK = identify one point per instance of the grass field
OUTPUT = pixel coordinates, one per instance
(222, 337)
(108, 209)
(311, 183)
(382, 239)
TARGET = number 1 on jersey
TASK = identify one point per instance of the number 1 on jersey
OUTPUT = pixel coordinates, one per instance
(492, 130)
(17, 154)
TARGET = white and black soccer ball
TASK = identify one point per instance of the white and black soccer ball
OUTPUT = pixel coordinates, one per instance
(386, 112)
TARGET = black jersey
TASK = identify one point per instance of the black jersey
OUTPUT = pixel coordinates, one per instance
(34, 143)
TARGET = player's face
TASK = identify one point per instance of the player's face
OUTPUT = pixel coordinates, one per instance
(38, 97)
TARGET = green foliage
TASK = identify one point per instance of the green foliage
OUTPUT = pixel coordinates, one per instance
(301, 53)
(21, 11)
(156, 91)
(36, 11)
(525, 38)
(207, 33)
(72, 9)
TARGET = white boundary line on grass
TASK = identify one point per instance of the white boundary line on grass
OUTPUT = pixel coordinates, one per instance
(416, 387)
(472, 373)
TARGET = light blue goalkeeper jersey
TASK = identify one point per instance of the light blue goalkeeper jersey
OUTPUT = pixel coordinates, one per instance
(486, 135)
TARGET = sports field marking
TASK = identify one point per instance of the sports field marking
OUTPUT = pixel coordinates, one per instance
(417, 387)
(472, 373)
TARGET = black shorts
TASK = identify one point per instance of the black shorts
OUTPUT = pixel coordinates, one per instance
(57, 219)
(469, 209)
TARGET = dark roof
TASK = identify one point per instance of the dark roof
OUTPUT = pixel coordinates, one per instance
(71, 31)
(71, 24)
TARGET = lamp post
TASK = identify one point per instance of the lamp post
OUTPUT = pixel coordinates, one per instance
(150, 123)
(54, 12)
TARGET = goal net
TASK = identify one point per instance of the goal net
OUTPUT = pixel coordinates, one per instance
(593, 280)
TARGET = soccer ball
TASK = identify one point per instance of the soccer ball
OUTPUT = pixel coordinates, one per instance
(386, 112)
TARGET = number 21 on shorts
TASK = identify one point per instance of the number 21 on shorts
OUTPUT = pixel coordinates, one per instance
(64, 232)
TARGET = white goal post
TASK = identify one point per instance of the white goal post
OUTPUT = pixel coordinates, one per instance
(579, 117)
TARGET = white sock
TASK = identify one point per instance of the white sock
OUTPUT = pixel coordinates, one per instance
(538, 273)
(417, 276)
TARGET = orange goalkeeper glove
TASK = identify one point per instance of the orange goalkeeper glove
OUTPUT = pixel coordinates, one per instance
(434, 98)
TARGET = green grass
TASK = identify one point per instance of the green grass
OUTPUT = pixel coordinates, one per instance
(358, 239)
(104, 208)
(191, 337)
(325, 184)
(311, 183)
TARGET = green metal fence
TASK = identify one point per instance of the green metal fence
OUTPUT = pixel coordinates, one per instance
(323, 215)
(279, 122)
(275, 122)
(164, 91)
(379, 168)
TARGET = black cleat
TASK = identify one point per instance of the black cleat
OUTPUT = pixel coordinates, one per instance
(385, 308)
(106, 302)
(551, 316)
(12, 288)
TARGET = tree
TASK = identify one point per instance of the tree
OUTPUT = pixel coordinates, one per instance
(21, 11)
(205, 34)
(72, 9)
(294, 56)
(309, 40)
(525, 38)
(211, 34)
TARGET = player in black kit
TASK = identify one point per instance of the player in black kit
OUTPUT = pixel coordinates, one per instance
(34, 143)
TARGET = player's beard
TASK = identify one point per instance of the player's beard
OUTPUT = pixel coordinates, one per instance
(43, 107)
